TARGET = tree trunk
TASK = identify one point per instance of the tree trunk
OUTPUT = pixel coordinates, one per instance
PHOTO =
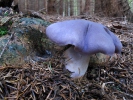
(92, 7)
(51, 7)
(114, 8)
(82, 6)
(126, 10)
(71, 7)
(87, 4)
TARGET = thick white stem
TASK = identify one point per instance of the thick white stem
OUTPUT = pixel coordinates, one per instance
(76, 62)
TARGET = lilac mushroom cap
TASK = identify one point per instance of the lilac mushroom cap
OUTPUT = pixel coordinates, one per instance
(87, 38)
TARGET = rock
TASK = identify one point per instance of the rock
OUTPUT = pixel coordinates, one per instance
(6, 11)
(101, 59)
(26, 41)
(4, 20)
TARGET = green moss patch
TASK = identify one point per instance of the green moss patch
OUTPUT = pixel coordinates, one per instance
(3, 30)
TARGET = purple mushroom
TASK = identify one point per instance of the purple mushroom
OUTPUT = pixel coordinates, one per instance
(86, 38)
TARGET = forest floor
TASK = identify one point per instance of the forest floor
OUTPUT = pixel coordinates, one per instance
(47, 80)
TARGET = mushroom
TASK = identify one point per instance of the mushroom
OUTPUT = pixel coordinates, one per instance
(86, 38)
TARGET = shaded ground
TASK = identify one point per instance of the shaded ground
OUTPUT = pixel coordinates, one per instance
(47, 80)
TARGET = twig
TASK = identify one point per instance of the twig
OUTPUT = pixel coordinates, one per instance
(6, 45)
(19, 95)
(49, 95)
(129, 95)
(117, 81)
(33, 94)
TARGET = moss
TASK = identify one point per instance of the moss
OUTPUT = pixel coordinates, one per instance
(38, 41)
(3, 30)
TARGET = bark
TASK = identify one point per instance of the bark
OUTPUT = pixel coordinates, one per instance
(92, 7)
(51, 7)
(87, 3)
(114, 8)
(82, 6)
(71, 7)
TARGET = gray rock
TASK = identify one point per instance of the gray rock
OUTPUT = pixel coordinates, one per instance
(26, 41)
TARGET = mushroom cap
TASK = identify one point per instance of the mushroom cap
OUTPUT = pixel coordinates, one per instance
(87, 36)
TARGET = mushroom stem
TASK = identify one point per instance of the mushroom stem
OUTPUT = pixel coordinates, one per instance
(76, 62)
